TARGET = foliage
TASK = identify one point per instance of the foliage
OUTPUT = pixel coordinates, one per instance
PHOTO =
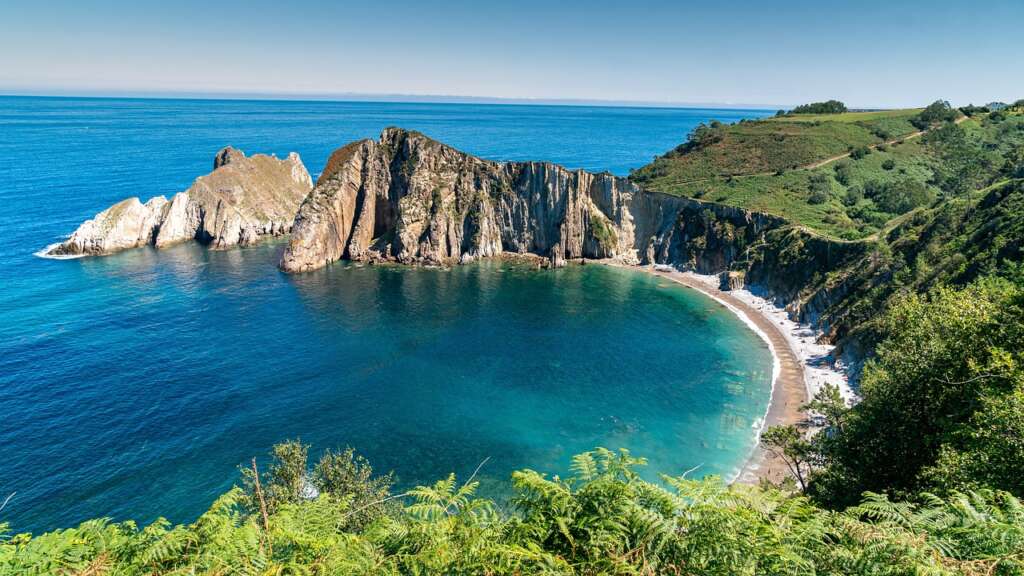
(942, 387)
(963, 164)
(934, 113)
(602, 520)
(827, 107)
(897, 197)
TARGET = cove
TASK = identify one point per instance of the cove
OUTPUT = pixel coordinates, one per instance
(132, 386)
(424, 371)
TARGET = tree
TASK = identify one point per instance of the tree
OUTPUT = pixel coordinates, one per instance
(860, 152)
(349, 475)
(284, 480)
(938, 111)
(963, 164)
(790, 445)
(944, 358)
(827, 107)
(900, 196)
(986, 451)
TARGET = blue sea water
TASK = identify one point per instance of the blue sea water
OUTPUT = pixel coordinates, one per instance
(132, 386)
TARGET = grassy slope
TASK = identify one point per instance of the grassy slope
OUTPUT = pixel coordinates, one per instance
(844, 259)
(760, 166)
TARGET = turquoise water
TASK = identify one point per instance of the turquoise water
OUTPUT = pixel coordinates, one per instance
(133, 386)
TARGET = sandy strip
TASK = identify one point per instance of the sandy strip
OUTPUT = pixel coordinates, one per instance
(801, 368)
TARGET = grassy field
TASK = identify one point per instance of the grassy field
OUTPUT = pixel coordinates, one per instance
(762, 166)
(851, 117)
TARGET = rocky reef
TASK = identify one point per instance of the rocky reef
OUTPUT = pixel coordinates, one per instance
(410, 199)
(243, 199)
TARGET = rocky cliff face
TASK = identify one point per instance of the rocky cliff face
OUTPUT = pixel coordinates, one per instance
(243, 199)
(410, 199)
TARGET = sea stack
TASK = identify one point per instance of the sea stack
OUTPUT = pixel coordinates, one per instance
(241, 200)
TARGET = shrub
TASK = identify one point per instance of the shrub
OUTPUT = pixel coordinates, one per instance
(888, 164)
(898, 197)
(860, 152)
(818, 197)
(971, 110)
(853, 196)
(843, 172)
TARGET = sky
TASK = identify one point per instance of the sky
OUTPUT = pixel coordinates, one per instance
(866, 53)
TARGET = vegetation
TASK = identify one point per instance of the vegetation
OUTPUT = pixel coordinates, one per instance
(829, 107)
(934, 113)
(924, 475)
(943, 386)
(602, 520)
(776, 165)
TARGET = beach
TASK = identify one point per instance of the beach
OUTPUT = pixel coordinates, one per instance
(802, 366)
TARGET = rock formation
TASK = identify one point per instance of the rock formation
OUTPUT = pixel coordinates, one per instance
(411, 199)
(243, 199)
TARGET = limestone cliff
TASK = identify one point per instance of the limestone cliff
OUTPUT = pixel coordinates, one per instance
(242, 199)
(411, 199)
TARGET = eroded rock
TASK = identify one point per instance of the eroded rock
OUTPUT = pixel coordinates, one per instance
(243, 199)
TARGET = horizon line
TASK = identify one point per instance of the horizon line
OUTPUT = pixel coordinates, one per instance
(373, 97)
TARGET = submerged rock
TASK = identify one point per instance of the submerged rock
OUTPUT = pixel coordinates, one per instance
(411, 199)
(243, 199)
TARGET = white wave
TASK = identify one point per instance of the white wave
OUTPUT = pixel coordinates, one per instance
(45, 253)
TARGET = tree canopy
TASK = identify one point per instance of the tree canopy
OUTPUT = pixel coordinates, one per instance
(827, 107)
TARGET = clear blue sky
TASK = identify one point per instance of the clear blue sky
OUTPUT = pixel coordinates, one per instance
(867, 53)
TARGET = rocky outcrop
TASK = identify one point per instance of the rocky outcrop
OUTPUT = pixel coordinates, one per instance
(410, 199)
(243, 199)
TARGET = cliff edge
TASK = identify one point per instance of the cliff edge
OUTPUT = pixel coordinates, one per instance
(410, 199)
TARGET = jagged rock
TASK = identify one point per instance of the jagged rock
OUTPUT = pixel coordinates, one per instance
(411, 199)
(243, 199)
(127, 224)
(730, 280)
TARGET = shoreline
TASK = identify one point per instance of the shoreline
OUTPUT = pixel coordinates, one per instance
(800, 368)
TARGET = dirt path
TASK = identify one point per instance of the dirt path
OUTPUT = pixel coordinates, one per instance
(819, 163)
(901, 139)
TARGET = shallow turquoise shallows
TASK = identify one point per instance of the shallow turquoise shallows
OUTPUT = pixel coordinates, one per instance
(133, 386)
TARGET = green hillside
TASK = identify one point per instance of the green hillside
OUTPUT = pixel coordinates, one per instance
(844, 175)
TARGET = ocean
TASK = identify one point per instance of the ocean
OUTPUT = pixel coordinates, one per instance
(133, 386)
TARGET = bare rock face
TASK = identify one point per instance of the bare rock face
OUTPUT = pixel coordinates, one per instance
(243, 199)
(410, 199)
(127, 224)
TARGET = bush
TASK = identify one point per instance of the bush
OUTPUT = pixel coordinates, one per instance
(888, 164)
(821, 188)
(853, 196)
(818, 197)
(858, 153)
(843, 172)
(971, 110)
(702, 136)
(898, 197)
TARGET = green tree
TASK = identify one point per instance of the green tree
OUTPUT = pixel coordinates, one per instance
(944, 358)
(938, 111)
(962, 163)
(790, 445)
(827, 107)
(349, 475)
